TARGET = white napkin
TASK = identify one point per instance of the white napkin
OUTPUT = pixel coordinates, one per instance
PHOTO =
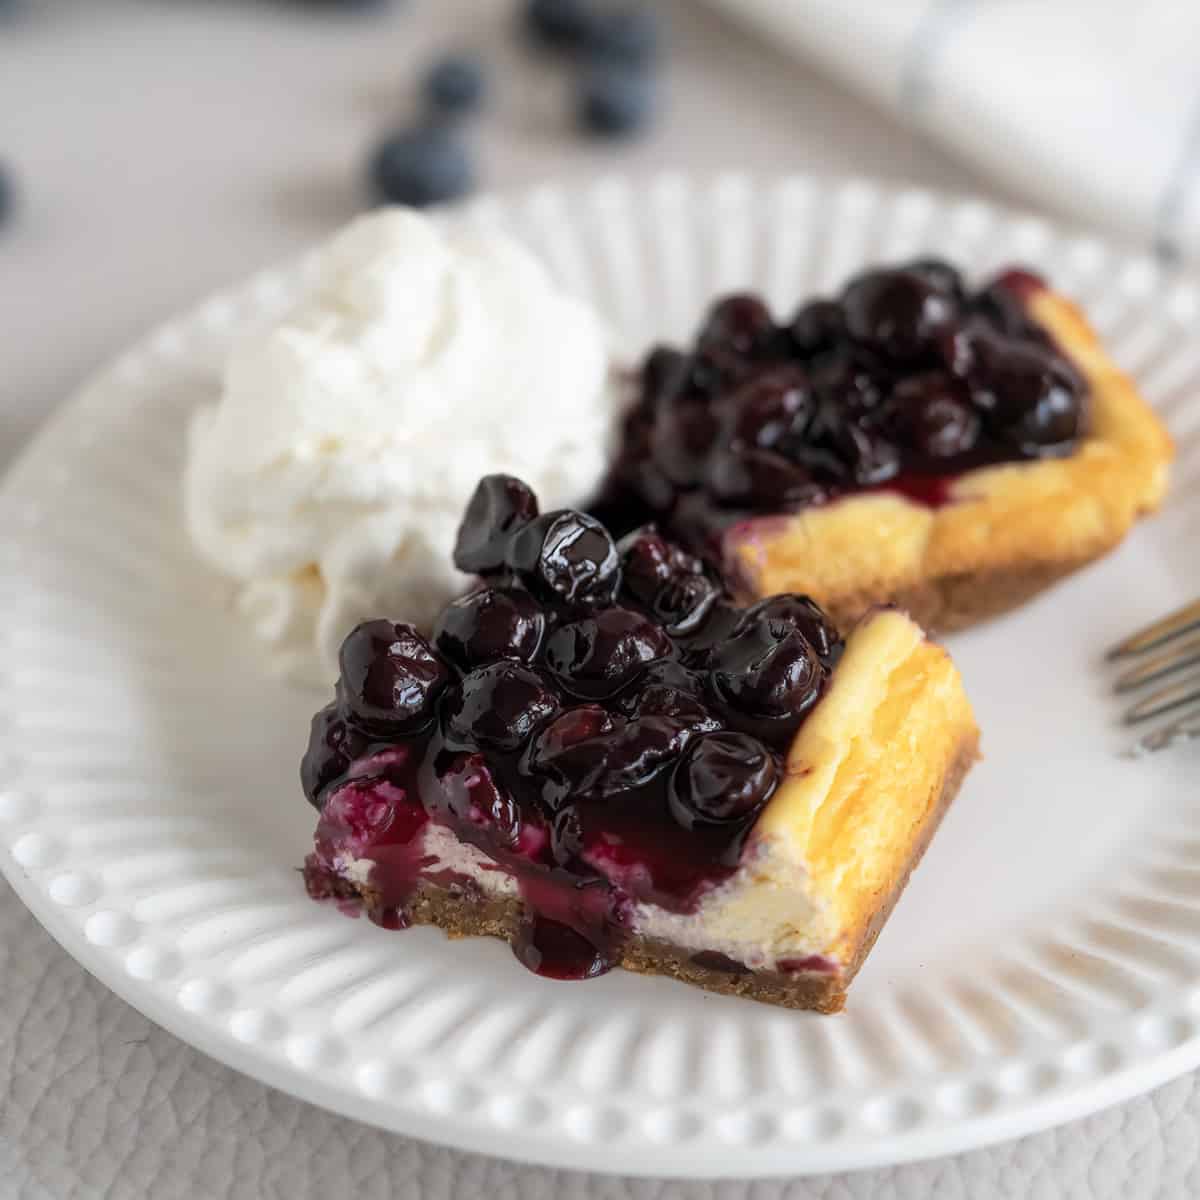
(1089, 107)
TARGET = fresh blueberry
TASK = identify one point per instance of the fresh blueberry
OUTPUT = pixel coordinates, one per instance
(629, 34)
(8, 192)
(615, 101)
(346, 5)
(420, 167)
(561, 24)
(456, 84)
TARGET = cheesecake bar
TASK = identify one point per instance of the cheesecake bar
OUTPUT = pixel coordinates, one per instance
(910, 442)
(600, 758)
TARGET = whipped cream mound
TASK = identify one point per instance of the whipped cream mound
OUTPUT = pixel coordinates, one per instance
(329, 479)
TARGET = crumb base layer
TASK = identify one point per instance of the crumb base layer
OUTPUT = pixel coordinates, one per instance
(460, 913)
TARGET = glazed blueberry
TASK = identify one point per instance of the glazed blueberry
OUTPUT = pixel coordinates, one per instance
(499, 706)
(662, 374)
(818, 327)
(740, 324)
(770, 409)
(629, 33)
(907, 376)
(1030, 396)
(871, 457)
(724, 777)
(684, 602)
(941, 275)
(456, 84)
(471, 793)
(681, 439)
(648, 561)
(332, 746)
(599, 655)
(799, 612)
(766, 678)
(614, 101)
(637, 753)
(933, 414)
(490, 624)
(498, 509)
(390, 676)
(569, 557)
(8, 194)
(900, 314)
(420, 167)
(761, 479)
(560, 24)
(1001, 305)
(571, 744)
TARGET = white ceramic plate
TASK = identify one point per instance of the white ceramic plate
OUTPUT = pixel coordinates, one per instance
(1045, 960)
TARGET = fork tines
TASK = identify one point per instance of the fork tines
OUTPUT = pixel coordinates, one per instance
(1176, 642)
(1186, 619)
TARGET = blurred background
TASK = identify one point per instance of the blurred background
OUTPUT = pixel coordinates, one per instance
(152, 151)
(158, 149)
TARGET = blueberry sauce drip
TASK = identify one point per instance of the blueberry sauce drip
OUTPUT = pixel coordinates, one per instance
(596, 717)
(901, 384)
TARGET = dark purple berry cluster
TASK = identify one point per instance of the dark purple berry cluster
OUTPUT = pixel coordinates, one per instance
(906, 374)
(592, 706)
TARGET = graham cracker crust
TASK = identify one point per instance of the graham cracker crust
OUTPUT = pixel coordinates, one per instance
(950, 603)
(462, 914)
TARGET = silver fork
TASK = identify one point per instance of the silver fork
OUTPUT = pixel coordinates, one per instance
(1163, 652)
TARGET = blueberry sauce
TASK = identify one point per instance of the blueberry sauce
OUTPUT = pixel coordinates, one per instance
(596, 717)
(901, 384)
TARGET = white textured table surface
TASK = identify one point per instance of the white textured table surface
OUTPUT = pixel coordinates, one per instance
(167, 147)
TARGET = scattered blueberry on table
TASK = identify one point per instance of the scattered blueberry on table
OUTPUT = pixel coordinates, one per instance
(562, 24)
(348, 5)
(8, 194)
(628, 34)
(614, 101)
(456, 84)
(612, 47)
(422, 166)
